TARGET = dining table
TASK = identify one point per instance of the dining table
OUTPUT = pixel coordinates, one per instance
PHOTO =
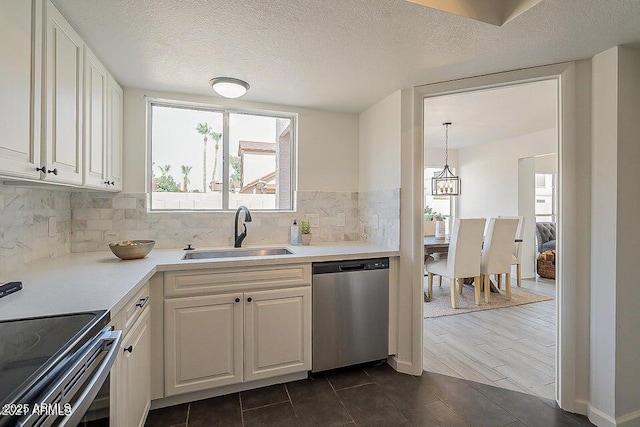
(434, 245)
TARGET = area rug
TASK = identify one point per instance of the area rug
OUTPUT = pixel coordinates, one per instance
(440, 304)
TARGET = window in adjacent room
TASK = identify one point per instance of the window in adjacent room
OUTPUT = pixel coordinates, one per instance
(545, 197)
(216, 159)
(441, 204)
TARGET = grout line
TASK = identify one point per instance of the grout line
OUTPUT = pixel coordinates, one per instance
(241, 412)
(288, 395)
(267, 405)
(354, 386)
(188, 413)
(340, 400)
(291, 402)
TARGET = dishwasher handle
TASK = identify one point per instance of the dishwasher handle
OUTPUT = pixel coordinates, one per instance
(356, 267)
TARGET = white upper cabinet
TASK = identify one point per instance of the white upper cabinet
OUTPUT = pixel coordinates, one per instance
(63, 99)
(114, 134)
(20, 87)
(95, 114)
(60, 109)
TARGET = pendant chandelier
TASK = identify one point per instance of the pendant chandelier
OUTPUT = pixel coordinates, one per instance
(446, 183)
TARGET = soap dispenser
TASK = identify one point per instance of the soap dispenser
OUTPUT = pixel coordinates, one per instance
(295, 233)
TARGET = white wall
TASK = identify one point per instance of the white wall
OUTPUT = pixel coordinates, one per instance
(615, 209)
(547, 164)
(603, 226)
(581, 235)
(327, 142)
(489, 173)
(628, 235)
(257, 165)
(379, 156)
(527, 209)
(434, 158)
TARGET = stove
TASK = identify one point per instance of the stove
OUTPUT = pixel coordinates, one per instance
(53, 359)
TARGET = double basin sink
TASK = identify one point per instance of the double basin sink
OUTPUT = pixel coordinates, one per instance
(236, 253)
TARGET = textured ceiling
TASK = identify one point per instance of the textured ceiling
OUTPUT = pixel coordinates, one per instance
(333, 54)
(490, 115)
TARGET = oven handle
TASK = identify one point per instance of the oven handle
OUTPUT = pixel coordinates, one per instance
(111, 340)
(66, 387)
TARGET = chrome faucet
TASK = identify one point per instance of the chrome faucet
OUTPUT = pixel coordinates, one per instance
(238, 238)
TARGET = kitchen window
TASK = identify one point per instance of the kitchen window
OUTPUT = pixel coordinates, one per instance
(214, 159)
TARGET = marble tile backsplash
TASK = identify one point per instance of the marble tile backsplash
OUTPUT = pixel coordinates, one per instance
(100, 218)
(379, 214)
(24, 226)
(88, 221)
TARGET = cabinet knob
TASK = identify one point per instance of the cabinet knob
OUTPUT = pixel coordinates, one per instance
(111, 182)
(142, 302)
(249, 299)
(237, 299)
(53, 171)
(106, 182)
(43, 169)
(129, 349)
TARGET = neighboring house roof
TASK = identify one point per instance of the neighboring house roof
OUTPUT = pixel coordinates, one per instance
(270, 188)
(285, 130)
(256, 147)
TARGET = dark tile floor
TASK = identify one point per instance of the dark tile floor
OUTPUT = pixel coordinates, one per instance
(370, 396)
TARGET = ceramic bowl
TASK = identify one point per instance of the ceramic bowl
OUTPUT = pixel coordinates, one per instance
(132, 249)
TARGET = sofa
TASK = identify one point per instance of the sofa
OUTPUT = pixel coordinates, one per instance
(546, 236)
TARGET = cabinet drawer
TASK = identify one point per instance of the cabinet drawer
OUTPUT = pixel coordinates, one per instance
(135, 306)
(206, 282)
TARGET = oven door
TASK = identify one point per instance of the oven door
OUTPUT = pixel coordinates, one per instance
(78, 393)
(98, 413)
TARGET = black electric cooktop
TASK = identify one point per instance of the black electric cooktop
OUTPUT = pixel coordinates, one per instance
(29, 347)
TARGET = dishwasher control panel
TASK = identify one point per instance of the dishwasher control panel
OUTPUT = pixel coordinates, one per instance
(350, 265)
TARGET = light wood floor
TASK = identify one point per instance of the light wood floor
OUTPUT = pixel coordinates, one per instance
(511, 347)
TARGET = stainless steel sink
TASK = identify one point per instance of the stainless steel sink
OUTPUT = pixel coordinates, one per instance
(235, 253)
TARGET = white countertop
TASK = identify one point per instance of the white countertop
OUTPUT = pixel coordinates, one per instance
(100, 281)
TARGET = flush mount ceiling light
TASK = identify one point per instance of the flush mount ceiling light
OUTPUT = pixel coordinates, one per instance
(446, 183)
(229, 87)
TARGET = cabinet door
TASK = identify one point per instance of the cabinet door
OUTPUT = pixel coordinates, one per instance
(136, 373)
(64, 70)
(114, 134)
(95, 115)
(277, 332)
(203, 342)
(20, 58)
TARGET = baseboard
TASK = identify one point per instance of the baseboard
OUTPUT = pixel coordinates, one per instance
(220, 391)
(599, 418)
(631, 419)
(581, 407)
(402, 366)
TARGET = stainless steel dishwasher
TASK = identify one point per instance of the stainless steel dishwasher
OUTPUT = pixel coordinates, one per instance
(350, 312)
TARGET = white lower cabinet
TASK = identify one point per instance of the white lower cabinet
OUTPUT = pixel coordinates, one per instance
(217, 340)
(277, 332)
(203, 342)
(135, 371)
(131, 373)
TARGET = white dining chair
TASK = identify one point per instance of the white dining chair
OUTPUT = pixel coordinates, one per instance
(517, 247)
(497, 253)
(463, 258)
